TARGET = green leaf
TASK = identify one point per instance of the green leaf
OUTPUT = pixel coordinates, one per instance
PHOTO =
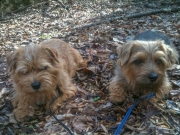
(96, 98)
(31, 126)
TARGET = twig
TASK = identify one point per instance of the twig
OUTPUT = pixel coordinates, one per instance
(10, 131)
(167, 121)
(59, 1)
(88, 4)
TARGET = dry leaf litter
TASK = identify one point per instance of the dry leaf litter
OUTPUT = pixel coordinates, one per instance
(92, 28)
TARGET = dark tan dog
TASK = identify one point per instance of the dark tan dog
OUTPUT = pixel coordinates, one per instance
(141, 68)
(38, 71)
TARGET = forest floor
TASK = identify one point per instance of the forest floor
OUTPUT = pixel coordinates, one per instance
(95, 29)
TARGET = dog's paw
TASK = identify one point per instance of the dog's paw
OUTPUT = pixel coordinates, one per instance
(56, 104)
(24, 114)
(117, 98)
(116, 92)
(71, 92)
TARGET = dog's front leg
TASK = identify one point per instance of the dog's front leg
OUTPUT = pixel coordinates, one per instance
(117, 92)
(67, 88)
(23, 111)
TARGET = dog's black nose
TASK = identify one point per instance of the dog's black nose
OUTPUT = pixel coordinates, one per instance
(153, 77)
(36, 85)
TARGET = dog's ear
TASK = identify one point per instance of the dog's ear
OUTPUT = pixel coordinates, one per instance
(172, 55)
(53, 54)
(124, 52)
(11, 59)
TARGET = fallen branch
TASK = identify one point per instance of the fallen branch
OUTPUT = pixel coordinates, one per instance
(154, 12)
(131, 16)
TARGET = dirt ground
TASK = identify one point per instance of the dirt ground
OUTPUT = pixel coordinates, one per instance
(95, 28)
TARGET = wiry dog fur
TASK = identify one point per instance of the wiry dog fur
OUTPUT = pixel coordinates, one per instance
(141, 68)
(37, 72)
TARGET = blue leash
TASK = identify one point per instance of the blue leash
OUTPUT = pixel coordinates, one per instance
(129, 112)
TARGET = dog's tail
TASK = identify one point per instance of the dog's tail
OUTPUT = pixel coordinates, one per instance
(83, 63)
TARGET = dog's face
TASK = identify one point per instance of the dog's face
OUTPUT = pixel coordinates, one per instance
(143, 64)
(33, 68)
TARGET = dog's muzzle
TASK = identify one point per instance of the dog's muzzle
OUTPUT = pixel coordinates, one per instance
(36, 85)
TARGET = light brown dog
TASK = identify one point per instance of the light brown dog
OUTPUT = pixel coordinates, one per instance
(141, 68)
(38, 71)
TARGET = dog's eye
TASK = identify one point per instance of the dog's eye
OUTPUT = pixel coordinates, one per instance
(138, 62)
(158, 61)
(43, 68)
